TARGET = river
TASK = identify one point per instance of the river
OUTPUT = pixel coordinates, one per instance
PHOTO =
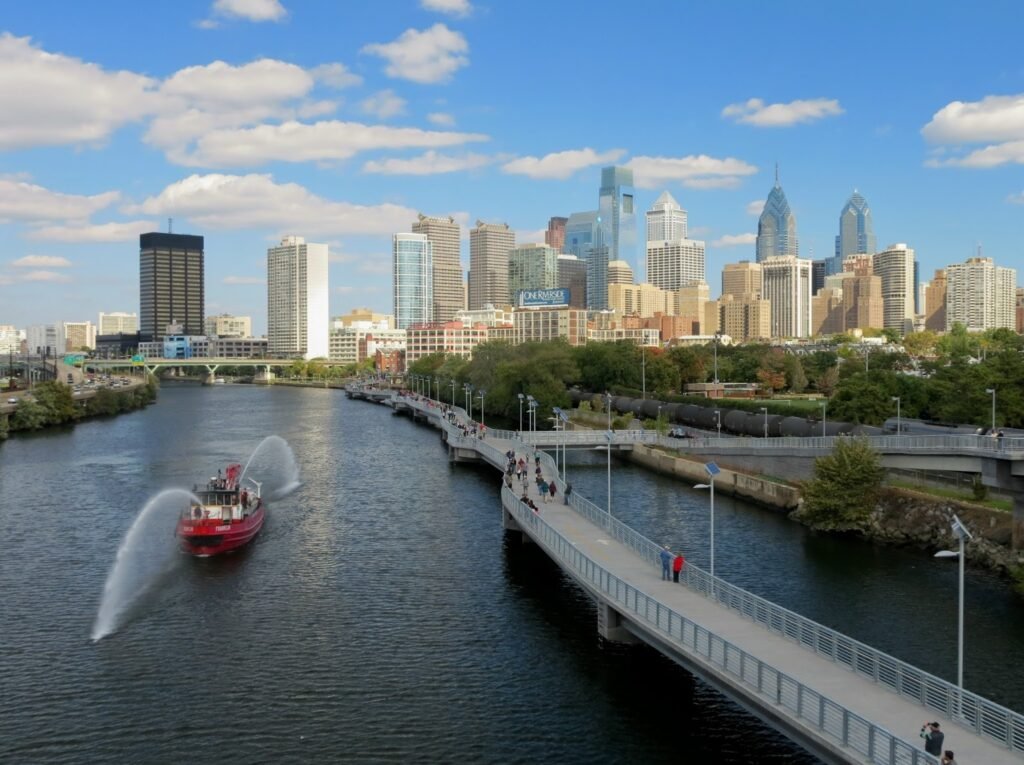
(384, 616)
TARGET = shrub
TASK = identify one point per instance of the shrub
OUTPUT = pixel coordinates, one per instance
(844, 488)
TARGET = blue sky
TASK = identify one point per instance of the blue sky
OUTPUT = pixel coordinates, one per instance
(248, 119)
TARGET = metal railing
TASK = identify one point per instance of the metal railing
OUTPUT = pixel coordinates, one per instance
(832, 720)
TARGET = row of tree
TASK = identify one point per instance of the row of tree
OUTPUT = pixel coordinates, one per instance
(936, 378)
(52, 403)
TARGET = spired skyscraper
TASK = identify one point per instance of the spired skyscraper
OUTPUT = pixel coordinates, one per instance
(776, 229)
(856, 232)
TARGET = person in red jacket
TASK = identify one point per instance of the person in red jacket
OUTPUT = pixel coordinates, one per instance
(677, 566)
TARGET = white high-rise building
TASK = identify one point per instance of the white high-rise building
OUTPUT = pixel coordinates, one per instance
(40, 337)
(10, 339)
(117, 323)
(673, 261)
(666, 220)
(297, 299)
(980, 295)
(443, 234)
(895, 266)
(413, 274)
(787, 286)
(226, 325)
(489, 246)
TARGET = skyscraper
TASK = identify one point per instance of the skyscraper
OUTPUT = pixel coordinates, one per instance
(616, 215)
(980, 295)
(666, 220)
(895, 266)
(443, 234)
(413, 274)
(297, 313)
(743, 278)
(856, 232)
(934, 302)
(554, 237)
(619, 272)
(489, 246)
(531, 267)
(776, 228)
(572, 275)
(673, 261)
(171, 283)
(581, 235)
(787, 285)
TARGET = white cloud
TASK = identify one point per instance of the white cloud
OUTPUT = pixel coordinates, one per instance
(244, 280)
(218, 202)
(560, 164)
(1016, 199)
(428, 163)
(51, 99)
(336, 76)
(321, 141)
(312, 109)
(735, 240)
(995, 120)
(41, 261)
(251, 10)
(430, 56)
(5, 281)
(24, 201)
(94, 232)
(693, 171)
(441, 118)
(384, 104)
(756, 112)
(44, 276)
(755, 208)
(451, 7)
(992, 119)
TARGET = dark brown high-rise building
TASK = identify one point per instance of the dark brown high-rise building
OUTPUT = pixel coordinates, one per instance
(171, 284)
(554, 237)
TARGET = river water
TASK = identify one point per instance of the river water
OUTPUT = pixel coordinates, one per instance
(384, 616)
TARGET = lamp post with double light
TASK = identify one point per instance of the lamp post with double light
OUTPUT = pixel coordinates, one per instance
(718, 421)
(898, 423)
(765, 410)
(961, 532)
(712, 470)
(467, 392)
(531, 412)
(824, 412)
(992, 392)
(643, 373)
(481, 393)
(520, 396)
(609, 435)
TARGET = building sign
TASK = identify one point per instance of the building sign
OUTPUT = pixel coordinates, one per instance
(535, 298)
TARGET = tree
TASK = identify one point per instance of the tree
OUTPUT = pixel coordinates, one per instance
(796, 379)
(827, 381)
(920, 344)
(845, 487)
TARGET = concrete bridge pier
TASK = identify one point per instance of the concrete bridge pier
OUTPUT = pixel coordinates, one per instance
(610, 625)
(263, 376)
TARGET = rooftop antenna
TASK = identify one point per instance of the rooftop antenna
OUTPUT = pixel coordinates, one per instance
(170, 225)
(776, 173)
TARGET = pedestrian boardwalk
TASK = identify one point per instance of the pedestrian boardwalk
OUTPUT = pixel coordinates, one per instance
(841, 699)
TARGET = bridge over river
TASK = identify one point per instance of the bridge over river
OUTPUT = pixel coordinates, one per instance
(840, 699)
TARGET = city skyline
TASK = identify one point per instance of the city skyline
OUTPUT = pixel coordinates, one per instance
(243, 138)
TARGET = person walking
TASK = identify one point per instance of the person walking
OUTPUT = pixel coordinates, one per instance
(666, 561)
(568, 492)
(933, 738)
(677, 566)
(542, 487)
(552, 489)
(948, 758)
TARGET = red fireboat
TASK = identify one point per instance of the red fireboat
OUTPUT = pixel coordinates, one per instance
(226, 517)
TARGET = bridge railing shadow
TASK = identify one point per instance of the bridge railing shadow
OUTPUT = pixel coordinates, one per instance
(831, 719)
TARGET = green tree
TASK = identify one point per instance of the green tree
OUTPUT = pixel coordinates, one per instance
(796, 379)
(30, 415)
(920, 344)
(827, 381)
(845, 487)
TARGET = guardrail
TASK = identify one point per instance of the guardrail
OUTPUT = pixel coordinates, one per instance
(831, 719)
(986, 718)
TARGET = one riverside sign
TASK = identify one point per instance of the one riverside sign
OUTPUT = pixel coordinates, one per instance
(549, 298)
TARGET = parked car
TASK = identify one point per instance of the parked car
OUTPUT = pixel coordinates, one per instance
(679, 433)
(12, 401)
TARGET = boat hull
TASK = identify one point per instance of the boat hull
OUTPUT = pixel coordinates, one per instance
(206, 538)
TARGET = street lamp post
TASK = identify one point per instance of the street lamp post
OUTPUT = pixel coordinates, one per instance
(531, 405)
(453, 392)
(962, 534)
(437, 387)
(824, 412)
(643, 373)
(765, 410)
(608, 435)
(712, 470)
(897, 400)
(992, 391)
(521, 397)
(482, 393)
(467, 391)
(718, 421)
(717, 335)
